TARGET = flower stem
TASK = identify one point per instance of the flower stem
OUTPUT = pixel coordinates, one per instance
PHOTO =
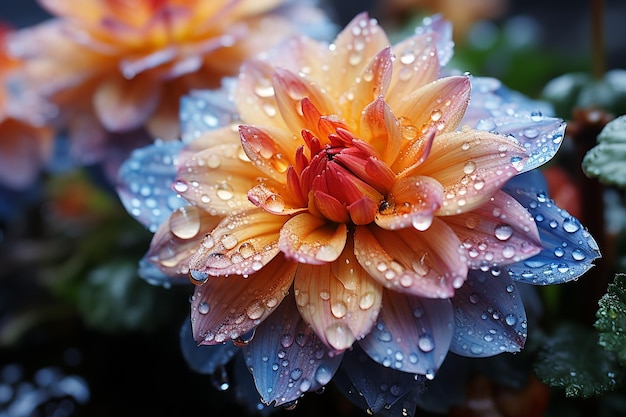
(598, 60)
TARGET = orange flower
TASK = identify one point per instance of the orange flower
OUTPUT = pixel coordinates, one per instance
(113, 66)
(349, 179)
(24, 145)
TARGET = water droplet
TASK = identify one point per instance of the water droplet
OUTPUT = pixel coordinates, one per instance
(224, 191)
(536, 116)
(255, 311)
(198, 277)
(323, 375)
(476, 349)
(531, 133)
(426, 343)
(204, 307)
(185, 222)
(421, 221)
(305, 385)
(503, 232)
(296, 374)
(274, 203)
(436, 115)
(339, 309)
(180, 186)
(229, 241)
(508, 251)
(473, 298)
(339, 336)
(407, 58)
(570, 225)
(366, 301)
(510, 319)
(247, 250)
(286, 340)
(578, 255)
(469, 167)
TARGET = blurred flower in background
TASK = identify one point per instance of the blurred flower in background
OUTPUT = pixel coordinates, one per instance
(25, 145)
(115, 70)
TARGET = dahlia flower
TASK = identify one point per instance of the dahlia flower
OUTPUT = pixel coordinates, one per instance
(25, 146)
(354, 210)
(113, 66)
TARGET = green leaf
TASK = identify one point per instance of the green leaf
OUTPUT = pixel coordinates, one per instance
(611, 316)
(607, 160)
(573, 360)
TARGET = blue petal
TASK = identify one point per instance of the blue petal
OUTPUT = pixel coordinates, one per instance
(411, 334)
(448, 388)
(379, 386)
(489, 315)
(498, 109)
(154, 276)
(443, 30)
(205, 110)
(145, 181)
(287, 359)
(204, 359)
(568, 248)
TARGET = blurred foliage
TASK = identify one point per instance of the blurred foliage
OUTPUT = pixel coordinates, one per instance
(611, 321)
(607, 160)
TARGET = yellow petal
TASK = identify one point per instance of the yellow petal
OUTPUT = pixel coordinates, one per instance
(312, 240)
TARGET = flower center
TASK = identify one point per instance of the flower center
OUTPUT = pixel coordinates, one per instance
(343, 180)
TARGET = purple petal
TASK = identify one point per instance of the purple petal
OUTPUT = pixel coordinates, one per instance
(498, 109)
(412, 334)
(442, 29)
(380, 387)
(204, 359)
(287, 359)
(568, 248)
(448, 388)
(205, 110)
(145, 181)
(489, 315)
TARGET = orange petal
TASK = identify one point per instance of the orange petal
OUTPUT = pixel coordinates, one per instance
(217, 179)
(411, 202)
(270, 150)
(290, 89)
(499, 232)
(427, 264)
(380, 129)
(177, 239)
(123, 105)
(339, 300)
(416, 65)
(368, 86)
(255, 98)
(353, 48)
(228, 307)
(441, 103)
(241, 244)
(312, 240)
(471, 165)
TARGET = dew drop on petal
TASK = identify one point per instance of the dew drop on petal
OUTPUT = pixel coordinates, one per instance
(185, 222)
(510, 319)
(469, 167)
(198, 277)
(323, 375)
(203, 308)
(503, 232)
(426, 343)
(338, 336)
(339, 309)
(229, 241)
(366, 301)
(570, 225)
(578, 255)
(180, 186)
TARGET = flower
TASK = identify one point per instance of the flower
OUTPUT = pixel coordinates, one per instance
(114, 66)
(355, 212)
(25, 146)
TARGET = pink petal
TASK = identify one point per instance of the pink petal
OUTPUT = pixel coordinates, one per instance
(339, 300)
(228, 307)
(309, 239)
(428, 264)
(471, 165)
(240, 244)
(499, 232)
(411, 202)
(122, 105)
